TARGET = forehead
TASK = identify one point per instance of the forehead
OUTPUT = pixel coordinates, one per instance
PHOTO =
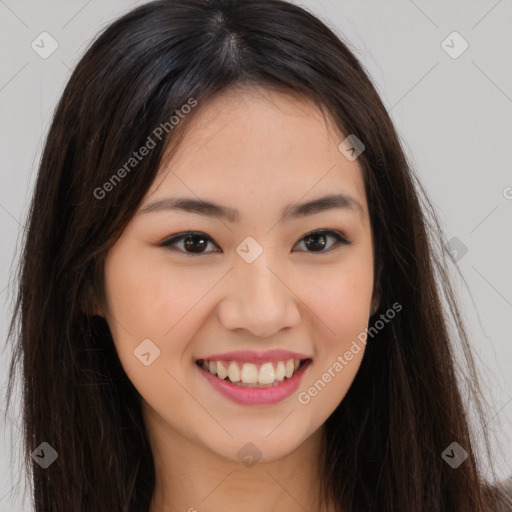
(265, 146)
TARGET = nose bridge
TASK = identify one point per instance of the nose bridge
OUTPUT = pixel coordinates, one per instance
(260, 281)
(252, 268)
(258, 285)
(257, 298)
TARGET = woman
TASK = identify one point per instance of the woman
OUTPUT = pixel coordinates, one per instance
(228, 292)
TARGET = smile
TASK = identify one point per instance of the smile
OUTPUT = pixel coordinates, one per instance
(256, 382)
(252, 375)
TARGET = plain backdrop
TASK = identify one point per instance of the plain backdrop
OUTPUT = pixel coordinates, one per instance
(452, 109)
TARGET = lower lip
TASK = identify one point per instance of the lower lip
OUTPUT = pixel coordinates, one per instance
(256, 396)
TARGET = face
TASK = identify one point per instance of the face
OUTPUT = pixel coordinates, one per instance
(260, 281)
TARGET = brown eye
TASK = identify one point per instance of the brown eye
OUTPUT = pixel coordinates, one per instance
(315, 242)
(195, 243)
(318, 240)
(191, 243)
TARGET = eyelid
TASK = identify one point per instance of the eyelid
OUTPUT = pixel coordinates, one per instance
(340, 238)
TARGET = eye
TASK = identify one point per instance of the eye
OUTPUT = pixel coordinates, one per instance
(316, 240)
(193, 242)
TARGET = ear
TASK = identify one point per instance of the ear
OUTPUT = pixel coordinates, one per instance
(89, 303)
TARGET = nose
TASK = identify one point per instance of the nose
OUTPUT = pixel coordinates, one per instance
(258, 299)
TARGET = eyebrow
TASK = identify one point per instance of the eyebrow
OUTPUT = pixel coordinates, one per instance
(295, 210)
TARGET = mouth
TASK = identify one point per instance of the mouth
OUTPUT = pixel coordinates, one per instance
(261, 383)
(252, 375)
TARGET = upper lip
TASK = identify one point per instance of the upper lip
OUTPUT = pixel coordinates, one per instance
(250, 356)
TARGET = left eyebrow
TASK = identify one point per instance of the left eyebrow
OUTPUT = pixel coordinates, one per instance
(295, 210)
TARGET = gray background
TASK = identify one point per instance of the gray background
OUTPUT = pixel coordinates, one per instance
(454, 116)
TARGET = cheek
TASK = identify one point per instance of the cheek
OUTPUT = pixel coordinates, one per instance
(146, 296)
(342, 296)
(342, 315)
(149, 298)
(147, 305)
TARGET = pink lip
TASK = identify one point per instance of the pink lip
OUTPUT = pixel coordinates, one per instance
(250, 356)
(256, 396)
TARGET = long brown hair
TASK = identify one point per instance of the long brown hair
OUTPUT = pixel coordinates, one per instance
(383, 444)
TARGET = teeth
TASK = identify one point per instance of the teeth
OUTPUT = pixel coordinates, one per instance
(233, 372)
(250, 374)
(280, 371)
(289, 367)
(221, 370)
(267, 374)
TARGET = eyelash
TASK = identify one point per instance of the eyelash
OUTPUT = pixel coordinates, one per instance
(340, 240)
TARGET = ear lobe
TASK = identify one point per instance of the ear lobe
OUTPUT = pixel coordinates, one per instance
(89, 303)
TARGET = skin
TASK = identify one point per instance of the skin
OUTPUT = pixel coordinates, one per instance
(255, 150)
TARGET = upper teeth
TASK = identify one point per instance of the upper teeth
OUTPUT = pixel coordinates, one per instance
(250, 373)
